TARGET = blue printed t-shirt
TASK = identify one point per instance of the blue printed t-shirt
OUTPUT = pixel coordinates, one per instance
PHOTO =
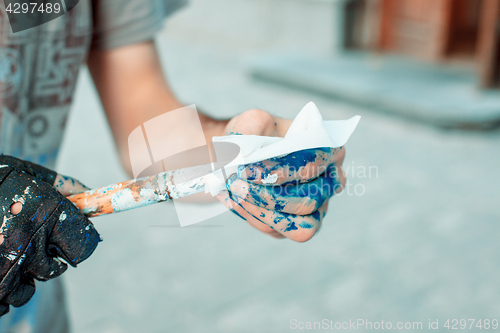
(38, 72)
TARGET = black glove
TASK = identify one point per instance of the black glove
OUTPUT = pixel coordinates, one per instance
(48, 226)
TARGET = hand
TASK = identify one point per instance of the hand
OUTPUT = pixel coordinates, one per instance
(296, 203)
(39, 225)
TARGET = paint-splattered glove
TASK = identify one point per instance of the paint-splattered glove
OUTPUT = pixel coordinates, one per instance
(295, 204)
(38, 225)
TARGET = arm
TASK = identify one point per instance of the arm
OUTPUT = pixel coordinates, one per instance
(132, 88)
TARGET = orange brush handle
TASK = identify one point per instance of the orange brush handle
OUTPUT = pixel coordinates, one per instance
(140, 192)
(112, 198)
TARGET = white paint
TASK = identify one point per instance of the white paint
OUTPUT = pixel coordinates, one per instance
(187, 188)
(18, 198)
(21, 259)
(89, 208)
(215, 183)
(150, 194)
(11, 256)
(62, 217)
(27, 191)
(123, 200)
(270, 179)
(5, 220)
(161, 180)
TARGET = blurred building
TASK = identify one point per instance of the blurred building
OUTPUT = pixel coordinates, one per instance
(432, 61)
(465, 31)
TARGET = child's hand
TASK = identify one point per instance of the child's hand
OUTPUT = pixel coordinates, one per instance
(294, 204)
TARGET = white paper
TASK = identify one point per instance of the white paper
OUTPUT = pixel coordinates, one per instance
(308, 130)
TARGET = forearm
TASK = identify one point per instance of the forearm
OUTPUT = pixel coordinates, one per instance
(154, 103)
(139, 93)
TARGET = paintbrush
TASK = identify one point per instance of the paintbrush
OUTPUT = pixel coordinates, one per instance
(142, 192)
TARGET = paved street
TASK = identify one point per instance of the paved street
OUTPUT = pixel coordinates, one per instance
(418, 241)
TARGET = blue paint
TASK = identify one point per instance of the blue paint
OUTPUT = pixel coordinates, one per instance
(255, 217)
(298, 159)
(305, 225)
(257, 197)
(292, 162)
(292, 182)
(231, 180)
(315, 192)
(278, 219)
(238, 214)
(291, 226)
(279, 205)
(249, 171)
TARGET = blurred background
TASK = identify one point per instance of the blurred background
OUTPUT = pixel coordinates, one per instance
(413, 238)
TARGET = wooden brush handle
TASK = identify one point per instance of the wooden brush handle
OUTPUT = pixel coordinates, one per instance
(140, 192)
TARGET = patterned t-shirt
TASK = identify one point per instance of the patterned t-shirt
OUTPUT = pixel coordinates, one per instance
(38, 71)
(39, 67)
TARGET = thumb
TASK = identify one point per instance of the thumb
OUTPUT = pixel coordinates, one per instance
(252, 122)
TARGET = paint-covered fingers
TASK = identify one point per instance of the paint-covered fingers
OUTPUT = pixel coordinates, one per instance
(340, 174)
(299, 228)
(238, 210)
(298, 167)
(299, 199)
(68, 185)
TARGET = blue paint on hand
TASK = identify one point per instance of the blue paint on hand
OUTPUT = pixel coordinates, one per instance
(305, 225)
(291, 226)
(279, 205)
(238, 214)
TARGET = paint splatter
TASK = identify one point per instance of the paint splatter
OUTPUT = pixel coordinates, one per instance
(305, 225)
(291, 226)
(62, 217)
